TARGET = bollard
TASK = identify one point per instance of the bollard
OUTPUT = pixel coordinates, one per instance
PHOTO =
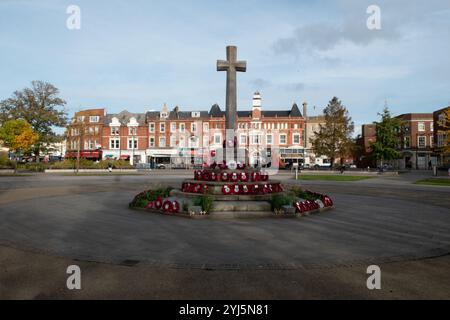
(296, 173)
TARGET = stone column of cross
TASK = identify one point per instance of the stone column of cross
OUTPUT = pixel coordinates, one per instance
(231, 66)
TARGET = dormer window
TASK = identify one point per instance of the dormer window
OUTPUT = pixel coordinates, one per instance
(195, 114)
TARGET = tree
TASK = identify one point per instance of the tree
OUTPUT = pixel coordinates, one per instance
(334, 138)
(387, 137)
(18, 135)
(39, 106)
(444, 124)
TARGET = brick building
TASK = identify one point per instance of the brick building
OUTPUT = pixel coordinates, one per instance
(84, 134)
(441, 135)
(416, 141)
(364, 157)
(185, 137)
(312, 125)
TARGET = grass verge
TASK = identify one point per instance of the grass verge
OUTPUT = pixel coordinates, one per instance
(435, 182)
(327, 177)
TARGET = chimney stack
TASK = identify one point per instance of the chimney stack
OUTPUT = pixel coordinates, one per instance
(305, 110)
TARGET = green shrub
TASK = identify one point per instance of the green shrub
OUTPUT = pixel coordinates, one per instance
(142, 199)
(6, 163)
(205, 201)
(35, 167)
(300, 193)
(282, 199)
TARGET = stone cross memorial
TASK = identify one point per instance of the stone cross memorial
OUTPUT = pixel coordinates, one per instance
(231, 66)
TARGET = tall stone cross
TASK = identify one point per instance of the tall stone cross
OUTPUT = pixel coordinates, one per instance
(231, 66)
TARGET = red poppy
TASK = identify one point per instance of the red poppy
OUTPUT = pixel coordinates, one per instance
(234, 177)
(244, 177)
(149, 205)
(176, 206)
(224, 176)
(158, 203)
(226, 189)
(167, 206)
(256, 176)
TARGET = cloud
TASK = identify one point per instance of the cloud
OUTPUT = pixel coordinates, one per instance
(260, 83)
(295, 86)
(320, 37)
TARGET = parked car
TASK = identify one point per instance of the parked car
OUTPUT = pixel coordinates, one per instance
(160, 166)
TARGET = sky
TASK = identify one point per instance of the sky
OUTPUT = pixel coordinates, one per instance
(137, 55)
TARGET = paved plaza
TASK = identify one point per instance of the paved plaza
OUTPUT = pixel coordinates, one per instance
(50, 222)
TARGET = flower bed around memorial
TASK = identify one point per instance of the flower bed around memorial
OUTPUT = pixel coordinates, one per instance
(159, 200)
(304, 201)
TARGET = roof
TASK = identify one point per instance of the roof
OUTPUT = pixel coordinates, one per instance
(125, 116)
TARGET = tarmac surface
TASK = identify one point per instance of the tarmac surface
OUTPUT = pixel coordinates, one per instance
(50, 222)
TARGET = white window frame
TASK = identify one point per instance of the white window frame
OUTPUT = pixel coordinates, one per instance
(162, 145)
(173, 141)
(150, 143)
(136, 143)
(243, 137)
(94, 119)
(205, 127)
(218, 135)
(162, 127)
(295, 135)
(182, 127)
(421, 127)
(115, 145)
(285, 138)
(271, 139)
(193, 127)
(205, 141)
(151, 127)
(418, 142)
(172, 124)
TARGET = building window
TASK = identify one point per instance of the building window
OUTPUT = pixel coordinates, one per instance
(162, 127)
(151, 141)
(431, 141)
(182, 127)
(94, 119)
(282, 139)
(182, 143)
(152, 127)
(421, 126)
(173, 127)
(193, 142)
(406, 142)
(421, 142)
(243, 140)
(296, 138)
(162, 142)
(206, 127)
(193, 127)
(80, 119)
(115, 143)
(217, 138)
(269, 140)
(256, 139)
(173, 141)
(132, 131)
(431, 126)
(206, 141)
(132, 143)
